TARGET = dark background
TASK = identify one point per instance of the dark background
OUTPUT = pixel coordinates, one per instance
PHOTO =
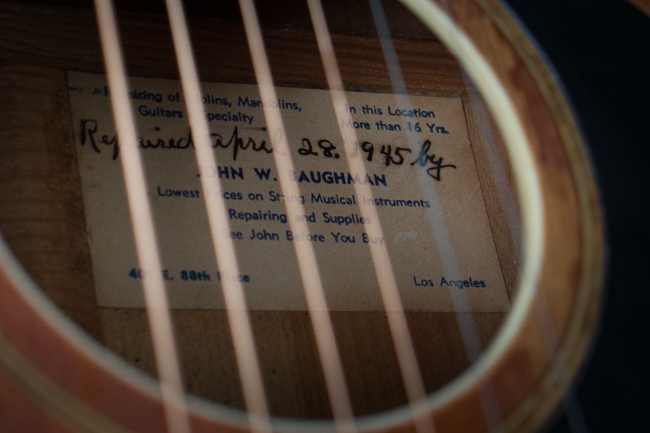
(600, 50)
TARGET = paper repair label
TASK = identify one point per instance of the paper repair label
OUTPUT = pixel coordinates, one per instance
(420, 176)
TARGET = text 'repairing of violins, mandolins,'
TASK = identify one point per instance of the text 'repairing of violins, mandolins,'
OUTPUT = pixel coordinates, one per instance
(288, 217)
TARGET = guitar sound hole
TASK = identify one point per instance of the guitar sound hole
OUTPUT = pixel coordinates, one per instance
(458, 177)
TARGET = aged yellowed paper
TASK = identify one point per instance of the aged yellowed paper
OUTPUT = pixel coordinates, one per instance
(411, 155)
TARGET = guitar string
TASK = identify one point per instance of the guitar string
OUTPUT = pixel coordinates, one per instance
(572, 407)
(156, 303)
(239, 320)
(398, 325)
(507, 201)
(442, 237)
(312, 283)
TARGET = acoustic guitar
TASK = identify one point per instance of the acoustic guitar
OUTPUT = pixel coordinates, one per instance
(369, 217)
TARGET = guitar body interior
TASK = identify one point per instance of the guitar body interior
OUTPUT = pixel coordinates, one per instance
(94, 369)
